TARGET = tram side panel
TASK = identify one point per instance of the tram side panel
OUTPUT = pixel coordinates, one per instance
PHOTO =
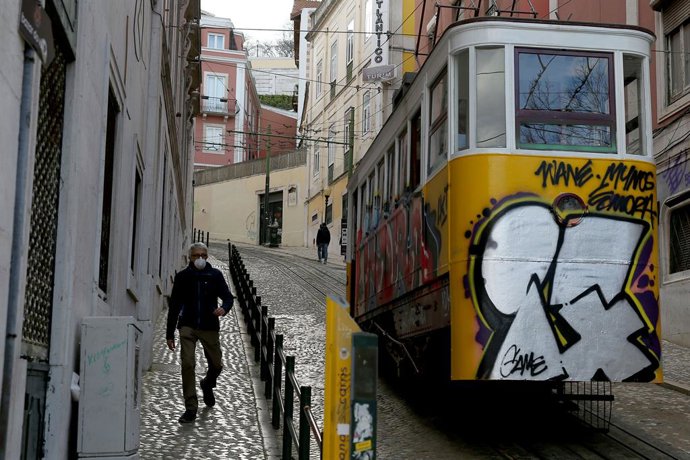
(544, 295)
(402, 263)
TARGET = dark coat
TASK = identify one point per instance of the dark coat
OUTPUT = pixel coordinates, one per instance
(323, 236)
(194, 297)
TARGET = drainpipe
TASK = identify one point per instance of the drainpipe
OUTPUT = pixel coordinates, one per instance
(13, 332)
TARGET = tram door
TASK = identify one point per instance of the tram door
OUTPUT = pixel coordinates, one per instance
(271, 222)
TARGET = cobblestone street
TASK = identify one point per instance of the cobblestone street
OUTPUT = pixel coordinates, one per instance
(238, 427)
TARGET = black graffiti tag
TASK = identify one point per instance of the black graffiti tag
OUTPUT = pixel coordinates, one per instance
(514, 361)
(618, 178)
(554, 172)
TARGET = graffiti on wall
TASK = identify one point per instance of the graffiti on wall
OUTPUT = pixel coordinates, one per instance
(250, 225)
(395, 257)
(574, 299)
(676, 177)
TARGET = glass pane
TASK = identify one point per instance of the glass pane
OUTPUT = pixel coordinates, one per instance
(439, 99)
(674, 63)
(564, 83)
(549, 135)
(686, 48)
(634, 119)
(437, 145)
(463, 98)
(491, 100)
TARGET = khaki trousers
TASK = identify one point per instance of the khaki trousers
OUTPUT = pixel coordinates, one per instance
(211, 342)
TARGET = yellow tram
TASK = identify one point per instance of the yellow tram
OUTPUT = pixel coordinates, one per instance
(503, 224)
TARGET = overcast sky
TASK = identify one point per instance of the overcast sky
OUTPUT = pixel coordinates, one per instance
(253, 14)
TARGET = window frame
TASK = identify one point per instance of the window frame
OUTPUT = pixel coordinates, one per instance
(216, 36)
(221, 147)
(567, 118)
(434, 160)
(319, 77)
(366, 112)
(683, 31)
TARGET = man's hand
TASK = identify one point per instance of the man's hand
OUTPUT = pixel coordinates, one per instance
(171, 344)
(220, 311)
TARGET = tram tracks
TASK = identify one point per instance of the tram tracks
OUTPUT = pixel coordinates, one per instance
(568, 439)
(318, 280)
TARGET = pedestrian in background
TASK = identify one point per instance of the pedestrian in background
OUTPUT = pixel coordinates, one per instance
(194, 310)
(323, 239)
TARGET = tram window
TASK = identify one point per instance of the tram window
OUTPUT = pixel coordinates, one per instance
(416, 150)
(438, 134)
(461, 139)
(565, 101)
(491, 99)
(380, 172)
(634, 115)
(404, 156)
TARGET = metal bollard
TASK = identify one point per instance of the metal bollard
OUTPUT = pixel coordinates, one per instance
(289, 403)
(304, 402)
(277, 377)
(269, 357)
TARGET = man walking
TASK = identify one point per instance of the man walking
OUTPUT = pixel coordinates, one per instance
(194, 310)
(323, 239)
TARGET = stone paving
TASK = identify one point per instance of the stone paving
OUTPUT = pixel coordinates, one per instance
(238, 426)
(229, 430)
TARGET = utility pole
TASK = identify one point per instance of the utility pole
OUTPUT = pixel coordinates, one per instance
(267, 217)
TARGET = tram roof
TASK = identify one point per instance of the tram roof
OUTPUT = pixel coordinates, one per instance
(355, 179)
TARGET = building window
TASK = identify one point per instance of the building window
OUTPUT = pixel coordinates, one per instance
(678, 62)
(350, 49)
(368, 19)
(110, 136)
(319, 76)
(135, 219)
(366, 112)
(334, 67)
(213, 139)
(572, 87)
(215, 93)
(216, 41)
(679, 249)
(315, 169)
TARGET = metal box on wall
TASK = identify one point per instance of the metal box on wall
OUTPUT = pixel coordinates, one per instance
(109, 401)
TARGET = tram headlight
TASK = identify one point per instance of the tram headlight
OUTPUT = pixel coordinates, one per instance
(569, 209)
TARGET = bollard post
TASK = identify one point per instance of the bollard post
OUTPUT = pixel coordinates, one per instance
(269, 357)
(207, 235)
(304, 403)
(264, 333)
(256, 319)
(277, 378)
(289, 403)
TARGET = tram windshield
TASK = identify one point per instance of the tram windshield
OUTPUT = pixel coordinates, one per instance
(565, 100)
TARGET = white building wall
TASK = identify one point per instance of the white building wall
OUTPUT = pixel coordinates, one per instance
(150, 138)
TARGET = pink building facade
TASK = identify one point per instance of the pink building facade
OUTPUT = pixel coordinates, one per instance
(226, 131)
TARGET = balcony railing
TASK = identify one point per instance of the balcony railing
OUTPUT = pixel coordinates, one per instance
(218, 105)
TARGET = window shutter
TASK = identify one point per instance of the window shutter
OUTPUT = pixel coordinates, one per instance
(680, 239)
(675, 14)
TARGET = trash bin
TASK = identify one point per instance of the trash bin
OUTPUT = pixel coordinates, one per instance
(273, 236)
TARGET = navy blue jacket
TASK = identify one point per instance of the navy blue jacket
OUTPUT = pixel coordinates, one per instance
(194, 297)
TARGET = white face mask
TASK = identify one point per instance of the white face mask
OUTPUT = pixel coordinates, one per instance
(200, 263)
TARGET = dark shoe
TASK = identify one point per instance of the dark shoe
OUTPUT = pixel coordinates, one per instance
(209, 398)
(188, 417)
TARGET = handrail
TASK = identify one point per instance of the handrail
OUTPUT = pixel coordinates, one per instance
(269, 352)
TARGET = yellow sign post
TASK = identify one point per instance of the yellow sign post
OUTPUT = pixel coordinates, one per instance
(339, 329)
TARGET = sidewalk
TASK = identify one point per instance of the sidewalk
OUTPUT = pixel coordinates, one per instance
(235, 428)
